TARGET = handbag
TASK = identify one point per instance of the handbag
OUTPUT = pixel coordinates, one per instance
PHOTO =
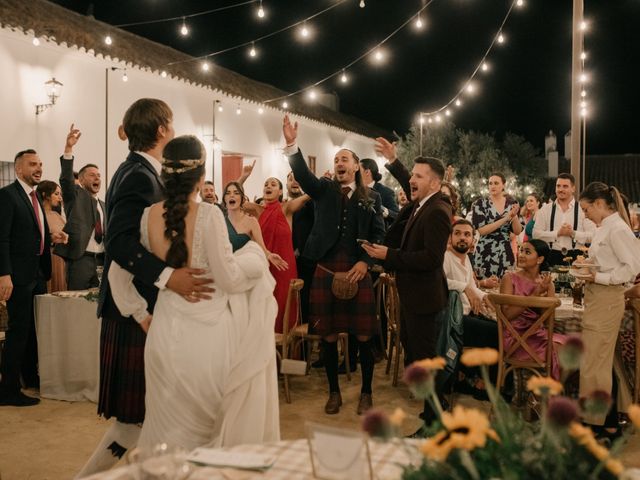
(341, 287)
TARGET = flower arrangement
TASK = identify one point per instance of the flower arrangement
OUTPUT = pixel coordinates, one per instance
(367, 205)
(465, 444)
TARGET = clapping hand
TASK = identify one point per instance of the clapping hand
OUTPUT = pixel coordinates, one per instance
(542, 287)
(290, 130)
(387, 149)
(515, 210)
(59, 237)
(72, 138)
(565, 230)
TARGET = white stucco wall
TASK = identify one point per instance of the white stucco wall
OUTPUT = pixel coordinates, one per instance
(24, 68)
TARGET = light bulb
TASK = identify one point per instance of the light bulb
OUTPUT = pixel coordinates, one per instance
(438, 118)
(583, 104)
(362, 5)
(379, 56)
(471, 88)
(429, 120)
(312, 95)
(163, 74)
(458, 103)
(484, 67)
(238, 110)
(501, 38)
(108, 40)
(419, 23)
(35, 41)
(583, 56)
(260, 10)
(285, 105)
(304, 31)
(205, 66)
(519, 3)
(583, 112)
(124, 77)
(220, 107)
(252, 52)
(344, 78)
(583, 93)
(583, 25)
(448, 113)
(583, 77)
(184, 30)
(421, 120)
(260, 111)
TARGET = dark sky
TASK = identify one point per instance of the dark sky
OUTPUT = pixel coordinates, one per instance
(527, 90)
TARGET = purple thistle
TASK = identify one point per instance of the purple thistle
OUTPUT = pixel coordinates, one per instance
(376, 423)
(561, 411)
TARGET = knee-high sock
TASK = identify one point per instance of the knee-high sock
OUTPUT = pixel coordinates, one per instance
(330, 357)
(114, 444)
(366, 362)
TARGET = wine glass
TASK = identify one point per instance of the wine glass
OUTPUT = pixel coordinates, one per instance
(99, 272)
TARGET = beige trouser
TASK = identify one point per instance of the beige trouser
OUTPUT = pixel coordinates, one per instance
(604, 308)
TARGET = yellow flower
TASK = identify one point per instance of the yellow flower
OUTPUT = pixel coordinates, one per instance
(397, 417)
(437, 448)
(580, 432)
(468, 428)
(437, 363)
(634, 414)
(544, 385)
(614, 466)
(474, 357)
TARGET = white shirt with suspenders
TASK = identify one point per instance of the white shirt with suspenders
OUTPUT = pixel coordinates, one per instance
(549, 220)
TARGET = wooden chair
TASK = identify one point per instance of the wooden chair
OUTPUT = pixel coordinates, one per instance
(392, 310)
(535, 364)
(284, 339)
(634, 304)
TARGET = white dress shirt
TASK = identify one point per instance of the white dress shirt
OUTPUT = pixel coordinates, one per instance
(542, 229)
(460, 277)
(616, 250)
(423, 201)
(27, 189)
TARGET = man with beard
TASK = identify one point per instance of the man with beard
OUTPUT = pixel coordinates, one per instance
(86, 219)
(25, 267)
(562, 223)
(479, 331)
(208, 193)
(347, 212)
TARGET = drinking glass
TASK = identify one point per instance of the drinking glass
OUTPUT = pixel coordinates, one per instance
(99, 271)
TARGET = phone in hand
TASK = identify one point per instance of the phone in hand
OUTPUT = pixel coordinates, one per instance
(363, 241)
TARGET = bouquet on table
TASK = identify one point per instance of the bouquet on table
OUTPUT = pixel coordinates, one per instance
(465, 444)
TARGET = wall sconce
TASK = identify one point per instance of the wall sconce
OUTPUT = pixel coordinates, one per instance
(53, 89)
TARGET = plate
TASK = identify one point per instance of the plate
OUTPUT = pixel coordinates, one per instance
(578, 274)
(585, 265)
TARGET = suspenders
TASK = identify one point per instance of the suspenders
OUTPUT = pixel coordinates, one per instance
(575, 221)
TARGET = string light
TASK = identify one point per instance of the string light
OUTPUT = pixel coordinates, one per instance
(312, 95)
(448, 113)
(205, 66)
(184, 30)
(429, 120)
(362, 5)
(238, 110)
(438, 118)
(519, 3)
(419, 23)
(584, 25)
(343, 78)
(260, 111)
(583, 56)
(108, 40)
(125, 78)
(583, 112)
(220, 107)
(285, 105)
(304, 31)
(583, 78)
(458, 102)
(378, 56)
(252, 52)
(36, 41)
(501, 38)
(260, 10)
(583, 104)
(471, 88)
(421, 120)
(163, 74)
(583, 93)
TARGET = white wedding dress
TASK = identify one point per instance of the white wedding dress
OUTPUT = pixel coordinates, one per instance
(210, 367)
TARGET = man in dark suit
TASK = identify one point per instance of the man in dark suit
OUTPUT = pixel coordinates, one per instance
(371, 177)
(345, 211)
(25, 267)
(418, 263)
(86, 219)
(136, 184)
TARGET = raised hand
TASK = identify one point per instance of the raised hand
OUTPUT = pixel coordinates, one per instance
(290, 130)
(247, 169)
(387, 149)
(72, 138)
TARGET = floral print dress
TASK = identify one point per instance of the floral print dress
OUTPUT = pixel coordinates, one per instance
(493, 254)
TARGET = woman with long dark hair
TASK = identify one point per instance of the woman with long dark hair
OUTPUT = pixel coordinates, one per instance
(210, 366)
(615, 253)
(530, 282)
(52, 203)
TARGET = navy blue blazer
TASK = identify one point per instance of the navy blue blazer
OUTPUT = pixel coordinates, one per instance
(388, 198)
(327, 200)
(20, 237)
(135, 186)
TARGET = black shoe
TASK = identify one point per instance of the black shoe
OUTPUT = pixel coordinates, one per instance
(18, 400)
(342, 369)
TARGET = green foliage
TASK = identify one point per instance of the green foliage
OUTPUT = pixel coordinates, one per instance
(475, 156)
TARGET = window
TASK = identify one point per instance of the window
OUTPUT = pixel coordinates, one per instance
(7, 174)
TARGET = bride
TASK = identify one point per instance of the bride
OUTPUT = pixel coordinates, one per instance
(210, 366)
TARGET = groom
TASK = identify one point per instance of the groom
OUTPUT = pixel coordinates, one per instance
(136, 184)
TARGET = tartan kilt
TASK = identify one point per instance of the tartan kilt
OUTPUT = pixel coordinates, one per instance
(329, 315)
(122, 386)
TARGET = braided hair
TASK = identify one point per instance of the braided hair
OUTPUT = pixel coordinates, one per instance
(182, 170)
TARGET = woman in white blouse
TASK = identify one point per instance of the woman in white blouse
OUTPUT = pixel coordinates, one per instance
(616, 253)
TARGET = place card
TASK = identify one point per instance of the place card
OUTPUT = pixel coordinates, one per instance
(338, 454)
(215, 457)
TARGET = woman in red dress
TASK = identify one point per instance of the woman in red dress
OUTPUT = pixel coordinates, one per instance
(275, 218)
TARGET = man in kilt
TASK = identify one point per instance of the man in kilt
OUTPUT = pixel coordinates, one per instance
(136, 184)
(345, 211)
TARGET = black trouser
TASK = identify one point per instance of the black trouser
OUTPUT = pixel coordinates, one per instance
(480, 332)
(81, 273)
(20, 352)
(419, 336)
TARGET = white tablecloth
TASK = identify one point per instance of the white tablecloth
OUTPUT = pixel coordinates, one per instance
(292, 463)
(68, 334)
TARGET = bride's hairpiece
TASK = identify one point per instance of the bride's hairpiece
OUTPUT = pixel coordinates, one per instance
(181, 166)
